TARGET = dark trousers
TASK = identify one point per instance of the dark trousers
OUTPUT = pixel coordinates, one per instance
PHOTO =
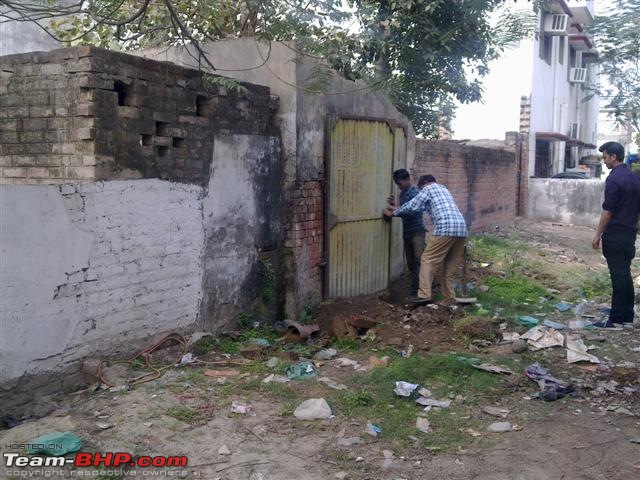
(619, 249)
(413, 248)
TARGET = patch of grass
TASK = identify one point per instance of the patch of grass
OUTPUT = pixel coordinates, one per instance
(229, 345)
(349, 344)
(373, 398)
(204, 345)
(183, 414)
(514, 295)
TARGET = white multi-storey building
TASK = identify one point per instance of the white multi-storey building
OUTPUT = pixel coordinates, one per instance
(563, 102)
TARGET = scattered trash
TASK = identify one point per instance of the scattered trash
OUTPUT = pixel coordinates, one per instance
(624, 411)
(298, 333)
(407, 353)
(488, 367)
(388, 459)
(224, 450)
(527, 321)
(331, 384)
(187, 358)
(273, 362)
(359, 459)
(372, 429)
(222, 373)
(378, 362)
(55, 444)
(579, 324)
(104, 426)
(313, 409)
(466, 300)
(577, 351)
(473, 433)
(423, 425)
(459, 399)
(301, 371)
(635, 440)
(554, 325)
(261, 342)
(563, 306)
(540, 337)
(500, 427)
(404, 389)
(510, 336)
(347, 442)
(496, 411)
(325, 354)
(484, 288)
(347, 362)
(430, 402)
(550, 387)
(241, 408)
(340, 475)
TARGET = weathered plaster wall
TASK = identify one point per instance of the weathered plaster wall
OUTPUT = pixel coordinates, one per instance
(244, 225)
(87, 269)
(577, 202)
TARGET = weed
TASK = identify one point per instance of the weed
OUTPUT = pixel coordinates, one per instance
(516, 294)
(267, 275)
(350, 344)
(204, 345)
(228, 345)
(183, 414)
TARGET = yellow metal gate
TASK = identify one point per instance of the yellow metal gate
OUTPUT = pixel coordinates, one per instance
(360, 166)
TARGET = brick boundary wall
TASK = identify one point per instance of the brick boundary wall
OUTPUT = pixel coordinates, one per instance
(84, 114)
(307, 222)
(483, 181)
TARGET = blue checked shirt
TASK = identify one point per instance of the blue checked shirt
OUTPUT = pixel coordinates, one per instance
(442, 209)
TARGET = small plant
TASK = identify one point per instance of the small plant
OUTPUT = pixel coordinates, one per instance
(183, 414)
(267, 275)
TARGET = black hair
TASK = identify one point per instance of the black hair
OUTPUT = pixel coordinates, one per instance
(613, 148)
(401, 174)
(426, 179)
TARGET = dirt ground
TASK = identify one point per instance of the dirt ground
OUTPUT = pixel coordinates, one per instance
(594, 435)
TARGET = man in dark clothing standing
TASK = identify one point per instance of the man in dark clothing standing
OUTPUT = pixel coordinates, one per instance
(413, 231)
(617, 230)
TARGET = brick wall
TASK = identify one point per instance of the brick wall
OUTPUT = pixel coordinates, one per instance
(483, 181)
(90, 114)
(304, 238)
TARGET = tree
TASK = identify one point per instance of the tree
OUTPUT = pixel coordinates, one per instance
(422, 53)
(617, 36)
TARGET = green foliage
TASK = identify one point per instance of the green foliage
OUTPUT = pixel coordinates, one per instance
(617, 37)
(267, 275)
(596, 285)
(423, 54)
(516, 290)
(183, 414)
(635, 167)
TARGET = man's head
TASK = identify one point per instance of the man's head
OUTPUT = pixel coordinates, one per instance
(402, 179)
(612, 153)
(425, 180)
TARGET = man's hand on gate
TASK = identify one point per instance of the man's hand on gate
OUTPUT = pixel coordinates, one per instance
(391, 200)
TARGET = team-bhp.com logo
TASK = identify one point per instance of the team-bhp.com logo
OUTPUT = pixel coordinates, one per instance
(117, 460)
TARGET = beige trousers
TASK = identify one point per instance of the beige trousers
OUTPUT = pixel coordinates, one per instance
(445, 252)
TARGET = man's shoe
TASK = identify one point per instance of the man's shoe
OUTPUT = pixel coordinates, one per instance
(606, 324)
(419, 301)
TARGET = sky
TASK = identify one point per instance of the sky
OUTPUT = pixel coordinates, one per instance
(509, 78)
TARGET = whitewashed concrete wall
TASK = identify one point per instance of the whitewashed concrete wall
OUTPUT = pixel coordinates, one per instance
(578, 202)
(88, 268)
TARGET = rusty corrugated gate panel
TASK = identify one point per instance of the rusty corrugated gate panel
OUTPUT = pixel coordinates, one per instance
(396, 258)
(360, 167)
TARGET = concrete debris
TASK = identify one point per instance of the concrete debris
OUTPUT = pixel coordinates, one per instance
(430, 402)
(496, 411)
(313, 409)
(349, 441)
(241, 408)
(273, 362)
(325, 354)
(332, 384)
(423, 425)
(499, 427)
(224, 450)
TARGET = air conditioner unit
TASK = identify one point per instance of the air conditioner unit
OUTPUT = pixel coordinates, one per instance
(574, 130)
(556, 24)
(578, 75)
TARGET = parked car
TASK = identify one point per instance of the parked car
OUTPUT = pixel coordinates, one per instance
(574, 175)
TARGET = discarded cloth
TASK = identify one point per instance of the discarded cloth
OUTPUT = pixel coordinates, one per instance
(550, 387)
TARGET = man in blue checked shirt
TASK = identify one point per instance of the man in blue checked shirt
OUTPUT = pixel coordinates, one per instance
(412, 227)
(446, 245)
